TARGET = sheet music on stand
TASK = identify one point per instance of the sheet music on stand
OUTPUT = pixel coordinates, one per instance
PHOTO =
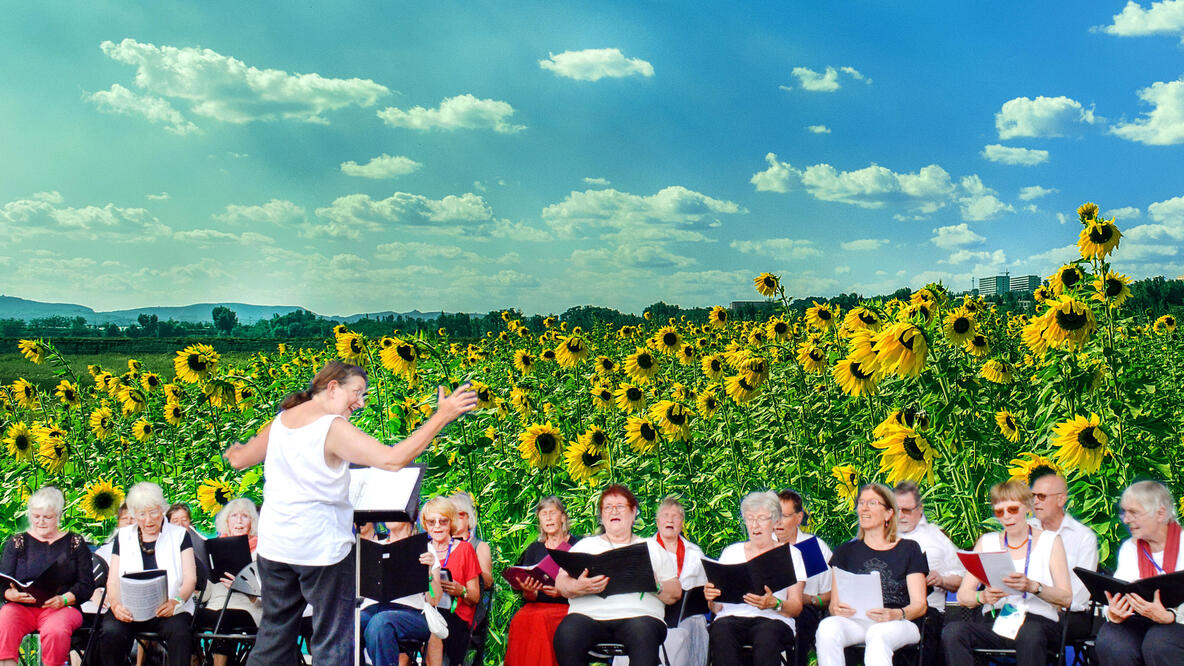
(378, 495)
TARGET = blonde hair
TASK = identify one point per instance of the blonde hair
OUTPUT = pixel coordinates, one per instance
(888, 499)
(240, 505)
(1011, 491)
(464, 502)
(443, 506)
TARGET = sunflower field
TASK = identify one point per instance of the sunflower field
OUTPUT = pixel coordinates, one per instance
(942, 390)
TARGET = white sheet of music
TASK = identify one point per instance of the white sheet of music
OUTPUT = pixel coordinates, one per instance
(859, 591)
(372, 489)
(142, 596)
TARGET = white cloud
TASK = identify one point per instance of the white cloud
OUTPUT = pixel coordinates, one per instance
(383, 166)
(1124, 213)
(778, 247)
(1163, 18)
(352, 214)
(518, 231)
(980, 202)
(1164, 124)
(599, 182)
(673, 213)
(1043, 116)
(825, 81)
(45, 214)
(276, 211)
(596, 64)
(53, 197)
(818, 129)
(1049, 260)
(864, 244)
(1010, 155)
(842, 270)
(121, 101)
(417, 250)
(163, 196)
(215, 237)
(955, 235)
(1168, 223)
(459, 112)
(776, 178)
(1035, 192)
(996, 258)
(226, 89)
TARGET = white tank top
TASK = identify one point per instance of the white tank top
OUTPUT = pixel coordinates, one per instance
(306, 517)
(1038, 570)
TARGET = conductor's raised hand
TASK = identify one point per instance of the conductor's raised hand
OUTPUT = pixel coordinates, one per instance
(591, 584)
(463, 399)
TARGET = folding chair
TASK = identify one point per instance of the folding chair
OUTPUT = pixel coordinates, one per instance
(147, 638)
(99, 568)
(247, 584)
(1056, 653)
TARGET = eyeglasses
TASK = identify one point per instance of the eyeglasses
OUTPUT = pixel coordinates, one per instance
(436, 521)
(145, 515)
(1130, 514)
(615, 508)
(909, 509)
(1040, 497)
(871, 503)
(1009, 510)
(758, 520)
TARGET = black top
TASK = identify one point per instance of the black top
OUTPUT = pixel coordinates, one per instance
(148, 550)
(894, 565)
(534, 554)
(25, 557)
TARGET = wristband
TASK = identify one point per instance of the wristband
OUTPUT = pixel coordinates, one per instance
(179, 600)
(978, 599)
(777, 607)
(1174, 616)
(65, 600)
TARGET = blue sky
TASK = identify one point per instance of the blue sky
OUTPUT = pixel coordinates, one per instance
(353, 157)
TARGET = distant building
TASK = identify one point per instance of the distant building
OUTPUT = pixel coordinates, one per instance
(752, 305)
(994, 285)
(1025, 283)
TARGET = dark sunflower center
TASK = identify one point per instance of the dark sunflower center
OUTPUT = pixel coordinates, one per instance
(907, 344)
(598, 437)
(688, 351)
(961, 325)
(575, 346)
(633, 394)
(103, 501)
(1087, 439)
(21, 442)
(676, 417)
(710, 404)
(546, 443)
(824, 314)
(647, 432)
(911, 448)
(979, 341)
(780, 328)
(1070, 277)
(68, 395)
(1039, 471)
(1071, 321)
(549, 354)
(721, 316)
(405, 352)
(483, 395)
(757, 368)
(1009, 422)
(1170, 320)
(815, 355)
(1113, 287)
(670, 339)
(857, 371)
(744, 384)
(590, 459)
(769, 283)
(645, 361)
(867, 318)
(221, 496)
(1100, 234)
(606, 364)
(196, 363)
(716, 366)
(605, 396)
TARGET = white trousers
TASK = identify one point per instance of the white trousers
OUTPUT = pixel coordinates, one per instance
(881, 639)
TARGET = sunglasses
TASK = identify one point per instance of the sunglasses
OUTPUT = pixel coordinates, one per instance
(1010, 510)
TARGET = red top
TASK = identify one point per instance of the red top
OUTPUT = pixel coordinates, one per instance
(463, 566)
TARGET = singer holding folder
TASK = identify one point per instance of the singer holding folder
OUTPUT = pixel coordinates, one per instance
(1140, 630)
(636, 620)
(306, 527)
(532, 630)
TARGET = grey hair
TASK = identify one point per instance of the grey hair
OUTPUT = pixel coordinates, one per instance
(239, 505)
(1151, 495)
(909, 488)
(464, 502)
(47, 498)
(761, 499)
(146, 495)
(672, 502)
(553, 502)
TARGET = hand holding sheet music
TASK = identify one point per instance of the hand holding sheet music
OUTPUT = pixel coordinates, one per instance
(40, 587)
(616, 571)
(1169, 586)
(862, 592)
(143, 592)
(990, 568)
(773, 569)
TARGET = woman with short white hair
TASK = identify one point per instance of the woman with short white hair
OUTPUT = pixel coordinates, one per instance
(243, 613)
(1142, 630)
(26, 555)
(151, 542)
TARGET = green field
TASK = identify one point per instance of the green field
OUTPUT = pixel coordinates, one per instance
(13, 366)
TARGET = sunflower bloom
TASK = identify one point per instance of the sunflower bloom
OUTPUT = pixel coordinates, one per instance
(604, 365)
(713, 366)
(571, 351)
(25, 393)
(1098, 239)
(68, 394)
(173, 413)
(173, 392)
(999, 372)
(641, 434)
(629, 398)
(855, 378)
(959, 326)
(101, 500)
(740, 389)
(102, 422)
(862, 317)
(777, 329)
(909, 417)
(351, 347)
(602, 397)
(901, 349)
(978, 345)
(143, 430)
(1087, 212)
(905, 456)
(213, 494)
(150, 381)
(718, 317)
(673, 418)
(667, 340)
(1066, 277)
(586, 462)
(1030, 466)
(641, 365)
(1008, 426)
(1165, 324)
(707, 402)
(811, 358)
(485, 397)
(195, 363)
(1112, 289)
(52, 450)
(1082, 443)
(132, 401)
(33, 350)
(522, 402)
(523, 361)
(401, 358)
(821, 316)
(1070, 322)
(848, 486)
(541, 445)
(19, 440)
(767, 284)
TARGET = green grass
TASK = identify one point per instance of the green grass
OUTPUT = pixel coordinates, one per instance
(15, 366)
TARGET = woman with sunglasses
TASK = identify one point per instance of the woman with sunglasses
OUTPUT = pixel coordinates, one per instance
(1023, 615)
(902, 569)
(1140, 629)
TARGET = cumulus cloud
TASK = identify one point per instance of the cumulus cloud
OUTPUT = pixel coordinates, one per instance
(1041, 117)
(44, 214)
(1163, 18)
(1164, 124)
(954, 236)
(417, 250)
(778, 247)
(226, 89)
(216, 237)
(595, 64)
(874, 186)
(1035, 192)
(1167, 224)
(599, 182)
(818, 129)
(979, 202)
(777, 178)
(163, 196)
(1010, 155)
(1124, 213)
(996, 258)
(825, 81)
(121, 101)
(277, 211)
(864, 244)
(351, 215)
(673, 213)
(383, 166)
(459, 112)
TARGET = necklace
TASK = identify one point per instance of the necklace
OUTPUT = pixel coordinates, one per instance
(146, 549)
(1018, 545)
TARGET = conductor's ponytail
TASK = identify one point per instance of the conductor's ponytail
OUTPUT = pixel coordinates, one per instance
(334, 371)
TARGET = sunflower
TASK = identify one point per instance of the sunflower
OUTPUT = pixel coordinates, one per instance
(756, 337)
(978, 345)
(862, 317)
(485, 397)
(25, 394)
(1070, 321)
(667, 340)
(901, 349)
(34, 350)
(172, 392)
(848, 487)
(173, 413)
(686, 355)
(586, 462)
(1066, 277)
(52, 450)
(740, 389)
(541, 444)
(821, 316)
(101, 500)
(909, 417)
(959, 326)
(1112, 289)
(523, 361)
(1008, 426)
(718, 317)
(641, 365)
(777, 329)
(855, 378)
(921, 312)
(602, 397)
(629, 398)
(547, 355)
(68, 394)
(522, 402)
(401, 358)
(1165, 324)
(143, 430)
(641, 434)
(604, 365)
(811, 358)
(133, 401)
(572, 350)
(213, 494)
(1081, 442)
(102, 422)
(351, 347)
(713, 366)
(1043, 293)
(1098, 239)
(1030, 466)
(195, 362)
(340, 329)
(673, 418)
(1000, 372)
(906, 456)
(244, 396)
(767, 284)
(1087, 212)
(19, 441)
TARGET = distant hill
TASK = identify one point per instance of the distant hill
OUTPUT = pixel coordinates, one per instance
(12, 307)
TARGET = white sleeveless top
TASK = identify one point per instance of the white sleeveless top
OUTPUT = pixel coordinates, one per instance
(1038, 570)
(306, 518)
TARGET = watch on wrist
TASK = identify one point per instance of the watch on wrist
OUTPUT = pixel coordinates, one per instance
(1039, 588)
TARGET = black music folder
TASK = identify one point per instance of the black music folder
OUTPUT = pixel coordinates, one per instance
(1170, 586)
(45, 584)
(392, 570)
(228, 556)
(628, 569)
(692, 603)
(773, 568)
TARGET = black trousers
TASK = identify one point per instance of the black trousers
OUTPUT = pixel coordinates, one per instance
(286, 589)
(1036, 636)
(641, 636)
(115, 639)
(807, 626)
(235, 621)
(768, 638)
(1139, 641)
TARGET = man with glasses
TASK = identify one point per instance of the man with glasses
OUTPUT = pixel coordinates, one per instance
(945, 570)
(1050, 493)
